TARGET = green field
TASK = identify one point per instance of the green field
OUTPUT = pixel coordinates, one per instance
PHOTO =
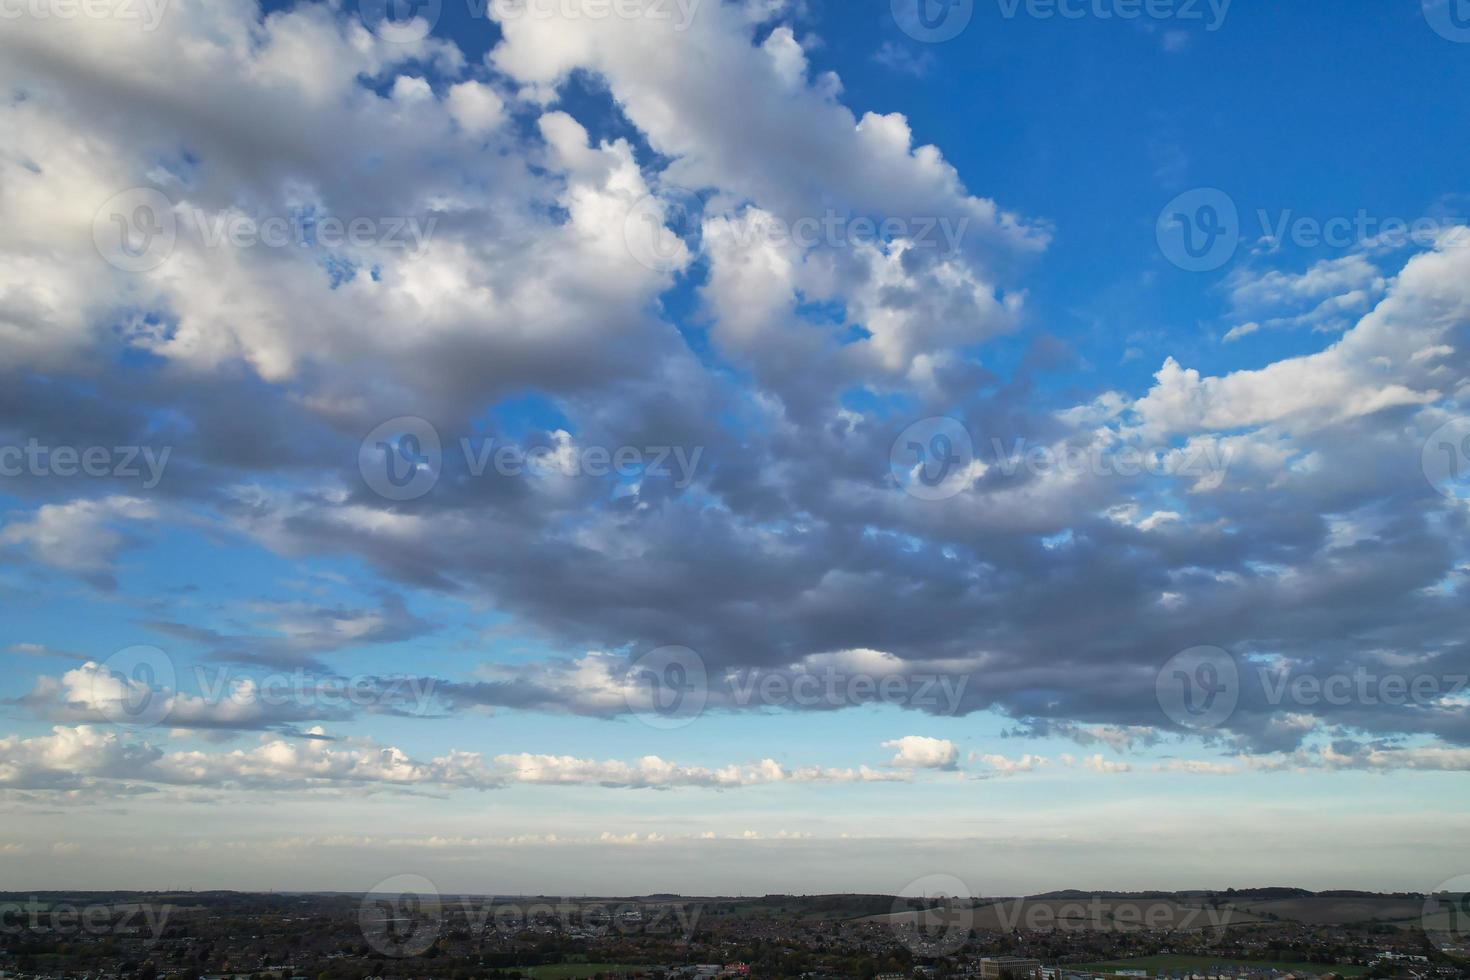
(577, 971)
(1172, 963)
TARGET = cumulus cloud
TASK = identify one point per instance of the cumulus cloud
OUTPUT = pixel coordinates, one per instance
(87, 757)
(1054, 592)
(1001, 765)
(1097, 763)
(84, 536)
(921, 752)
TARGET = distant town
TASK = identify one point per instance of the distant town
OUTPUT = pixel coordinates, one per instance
(1263, 934)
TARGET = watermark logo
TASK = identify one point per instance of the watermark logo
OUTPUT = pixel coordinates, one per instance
(832, 688)
(666, 231)
(667, 688)
(144, 463)
(137, 687)
(401, 694)
(401, 916)
(583, 919)
(138, 229)
(933, 21)
(932, 458)
(1206, 462)
(148, 12)
(401, 459)
(678, 14)
(123, 920)
(1211, 12)
(135, 230)
(1359, 686)
(1199, 687)
(659, 227)
(409, 21)
(1100, 914)
(134, 686)
(1199, 231)
(934, 915)
(1446, 915)
(309, 229)
(1202, 230)
(1446, 459)
(401, 21)
(1449, 18)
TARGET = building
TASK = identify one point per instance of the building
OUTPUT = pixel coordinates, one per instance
(1009, 968)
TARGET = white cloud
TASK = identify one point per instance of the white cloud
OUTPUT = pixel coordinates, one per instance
(476, 107)
(1370, 369)
(921, 752)
(83, 536)
(88, 757)
(1004, 766)
(1097, 763)
(1197, 767)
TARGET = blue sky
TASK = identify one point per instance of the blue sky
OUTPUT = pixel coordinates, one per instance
(553, 375)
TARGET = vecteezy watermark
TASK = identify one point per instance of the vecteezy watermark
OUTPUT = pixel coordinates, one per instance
(678, 14)
(122, 919)
(1199, 231)
(1211, 13)
(1449, 18)
(829, 687)
(305, 229)
(400, 21)
(138, 687)
(577, 918)
(937, 914)
(1446, 915)
(667, 688)
(664, 231)
(137, 230)
(933, 21)
(933, 915)
(1108, 914)
(310, 691)
(145, 463)
(1358, 686)
(935, 459)
(1124, 460)
(1446, 459)
(1201, 687)
(407, 21)
(401, 916)
(1202, 230)
(403, 459)
(671, 687)
(147, 13)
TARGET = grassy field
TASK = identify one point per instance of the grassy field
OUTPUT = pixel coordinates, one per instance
(577, 971)
(1172, 963)
(1324, 911)
(1063, 914)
